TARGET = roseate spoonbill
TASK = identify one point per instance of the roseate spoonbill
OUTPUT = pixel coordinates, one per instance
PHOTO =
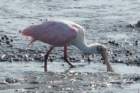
(61, 33)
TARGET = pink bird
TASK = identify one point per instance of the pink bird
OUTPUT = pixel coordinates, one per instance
(61, 33)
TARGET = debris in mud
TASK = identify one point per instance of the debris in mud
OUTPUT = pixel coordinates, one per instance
(3, 57)
(134, 25)
(31, 88)
(133, 77)
(3, 83)
(11, 80)
(130, 26)
(114, 43)
(128, 53)
(136, 43)
(34, 82)
(72, 59)
(6, 40)
(119, 82)
(117, 61)
(133, 61)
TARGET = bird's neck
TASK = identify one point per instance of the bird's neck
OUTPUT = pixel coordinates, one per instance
(85, 48)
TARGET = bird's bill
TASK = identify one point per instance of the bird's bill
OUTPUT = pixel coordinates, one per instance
(105, 61)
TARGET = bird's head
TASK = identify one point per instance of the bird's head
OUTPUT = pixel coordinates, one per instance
(95, 49)
(99, 49)
(29, 34)
(27, 31)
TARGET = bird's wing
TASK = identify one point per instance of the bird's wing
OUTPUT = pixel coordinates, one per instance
(59, 33)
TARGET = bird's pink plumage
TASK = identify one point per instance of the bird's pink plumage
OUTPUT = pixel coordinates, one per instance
(56, 33)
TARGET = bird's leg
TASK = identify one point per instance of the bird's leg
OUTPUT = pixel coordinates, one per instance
(46, 58)
(105, 58)
(65, 56)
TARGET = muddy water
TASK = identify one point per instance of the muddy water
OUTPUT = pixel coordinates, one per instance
(21, 69)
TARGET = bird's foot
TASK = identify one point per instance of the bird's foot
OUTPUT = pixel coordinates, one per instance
(72, 66)
(45, 69)
(109, 69)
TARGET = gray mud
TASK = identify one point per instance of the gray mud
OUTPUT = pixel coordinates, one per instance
(113, 23)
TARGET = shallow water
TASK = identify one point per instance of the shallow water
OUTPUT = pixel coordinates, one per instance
(18, 68)
(28, 73)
